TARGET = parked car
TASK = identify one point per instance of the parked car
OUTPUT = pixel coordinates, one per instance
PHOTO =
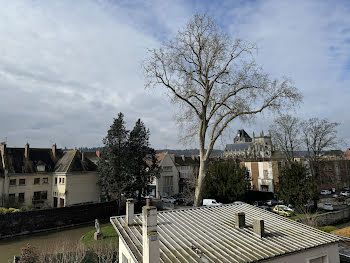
(272, 202)
(286, 208)
(170, 199)
(258, 203)
(238, 203)
(281, 211)
(265, 207)
(211, 202)
(346, 188)
(326, 192)
(328, 207)
(345, 193)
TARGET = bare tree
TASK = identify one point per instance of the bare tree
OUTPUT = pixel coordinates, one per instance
(285, 133)
(215, 80)
(319, 135)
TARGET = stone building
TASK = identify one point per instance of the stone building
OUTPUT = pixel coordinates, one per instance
(46, 177)
(188, 168)
(245, 147)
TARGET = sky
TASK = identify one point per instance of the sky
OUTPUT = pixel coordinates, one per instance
(67, 68)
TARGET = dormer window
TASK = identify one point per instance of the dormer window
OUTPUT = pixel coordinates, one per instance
(41, 166)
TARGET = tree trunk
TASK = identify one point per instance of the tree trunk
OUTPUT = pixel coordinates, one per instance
(200, 182)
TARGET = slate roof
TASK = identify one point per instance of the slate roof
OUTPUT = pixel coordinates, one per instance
(211, 232)
(187, 162)
(69, 161)
(72, 162)
(238, 146)
(18, 164)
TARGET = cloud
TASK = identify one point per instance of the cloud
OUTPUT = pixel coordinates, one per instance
(68, 67)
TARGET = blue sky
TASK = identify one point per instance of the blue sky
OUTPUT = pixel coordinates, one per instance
(68, 67)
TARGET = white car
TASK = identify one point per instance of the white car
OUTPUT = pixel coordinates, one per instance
(345, 193)
(211, 202)
(171, 200)
(326, 192)
(238, 203)
(328, 207)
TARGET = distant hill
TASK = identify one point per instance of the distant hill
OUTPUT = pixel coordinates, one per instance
(189, 152)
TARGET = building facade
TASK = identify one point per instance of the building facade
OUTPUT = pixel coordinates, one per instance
(46, 177)
(245, 147)
(167, 181)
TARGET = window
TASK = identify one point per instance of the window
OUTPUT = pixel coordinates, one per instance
(55, 180)
(12, 181)
(40, 195)
(167, 168)
(21, 197)
(322, 259)
(45, 180)
(36, 180)
(60, 180)
(12, 196)
(264, 188)
(124, 259)
(22, 181)
(265, 174)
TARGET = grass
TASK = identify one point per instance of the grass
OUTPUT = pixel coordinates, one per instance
(109, 236)
(343, 232)
(327, 229)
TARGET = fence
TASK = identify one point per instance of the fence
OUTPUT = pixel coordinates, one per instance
(19, 223)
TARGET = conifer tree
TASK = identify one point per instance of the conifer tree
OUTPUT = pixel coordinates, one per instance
(112, 166)
(142, 158)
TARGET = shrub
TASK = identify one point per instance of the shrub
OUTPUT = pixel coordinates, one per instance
(29, 254)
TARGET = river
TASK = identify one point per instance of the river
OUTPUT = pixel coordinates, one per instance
(11, 247)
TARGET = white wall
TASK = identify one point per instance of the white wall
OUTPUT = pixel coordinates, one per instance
(82, 188)
(330, 254)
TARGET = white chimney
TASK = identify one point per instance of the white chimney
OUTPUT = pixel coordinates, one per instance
(240, 220)
(26, 151)
(54, 148)
(183, 158)
(130, 212)
(258, 226)
(151, 250)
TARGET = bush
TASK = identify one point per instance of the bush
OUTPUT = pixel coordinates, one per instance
(4, 210)
(29, 254)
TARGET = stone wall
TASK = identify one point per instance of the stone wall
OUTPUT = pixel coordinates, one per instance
(13, 224)
(332, 218)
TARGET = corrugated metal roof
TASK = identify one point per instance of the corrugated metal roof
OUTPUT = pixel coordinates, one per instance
(210, 232)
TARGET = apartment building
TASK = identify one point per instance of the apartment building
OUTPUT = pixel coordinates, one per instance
(264, 175)
(167, 181)
(46, 177)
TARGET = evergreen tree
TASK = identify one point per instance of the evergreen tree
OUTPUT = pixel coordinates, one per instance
(226, 181)
(113, 164)
(295, 185)
(142, 158)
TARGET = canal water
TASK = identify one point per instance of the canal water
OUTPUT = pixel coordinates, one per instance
(11, 247)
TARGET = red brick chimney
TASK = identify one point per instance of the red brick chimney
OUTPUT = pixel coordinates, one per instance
(98, 154)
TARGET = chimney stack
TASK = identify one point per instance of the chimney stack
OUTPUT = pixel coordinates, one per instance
(149, 202)
(98, 154)
(26, 151)
(82, 156)
(240, 220)
(54, 148)
(3, 148)
(151, 249)
(130, 212)
(183, 158)
(258, 226)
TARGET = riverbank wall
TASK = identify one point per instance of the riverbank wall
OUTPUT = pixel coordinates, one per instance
(21, 223)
